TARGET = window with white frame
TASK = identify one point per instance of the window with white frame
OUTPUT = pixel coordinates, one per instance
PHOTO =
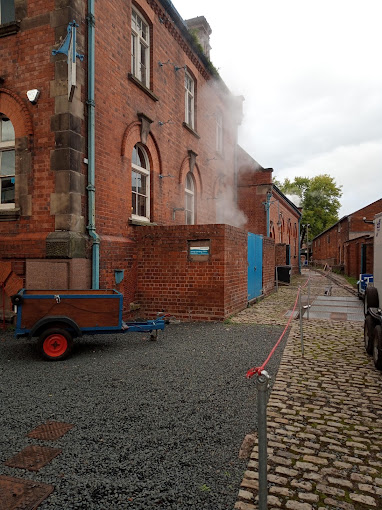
(140, 184)
(140, 48)
(190, 200)
(189, 101)
(7, 11)
(7, 163)
(219, 132)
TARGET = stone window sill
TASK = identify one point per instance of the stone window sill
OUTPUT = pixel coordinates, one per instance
(192, 131)
(10, 28)
(9, 214)
(142, 87)
(141, 223)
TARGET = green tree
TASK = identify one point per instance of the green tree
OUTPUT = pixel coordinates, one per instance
(319, 199)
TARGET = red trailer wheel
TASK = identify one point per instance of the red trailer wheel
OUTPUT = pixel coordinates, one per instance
(55, 344)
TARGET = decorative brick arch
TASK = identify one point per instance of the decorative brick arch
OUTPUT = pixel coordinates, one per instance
(185, 168)
(132, 133)
(132, 136)
(289, 231)
(13, 107)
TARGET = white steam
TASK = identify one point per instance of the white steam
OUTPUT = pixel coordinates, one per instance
(295, 199)
(226, 209)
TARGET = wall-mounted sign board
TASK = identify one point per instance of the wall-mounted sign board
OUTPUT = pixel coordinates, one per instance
(199, 250)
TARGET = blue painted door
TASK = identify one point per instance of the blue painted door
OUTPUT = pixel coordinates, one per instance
(255, 265)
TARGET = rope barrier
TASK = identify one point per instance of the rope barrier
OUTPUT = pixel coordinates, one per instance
(257, 370)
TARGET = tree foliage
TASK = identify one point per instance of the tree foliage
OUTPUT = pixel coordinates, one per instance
(319, 198)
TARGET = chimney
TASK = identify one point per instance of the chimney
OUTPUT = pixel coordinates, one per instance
(203, 31)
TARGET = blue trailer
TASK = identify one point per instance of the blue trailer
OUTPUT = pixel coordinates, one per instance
(58, 317)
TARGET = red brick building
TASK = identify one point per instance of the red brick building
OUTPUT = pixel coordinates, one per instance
(269, 213)
(348, 244)
(136, 132)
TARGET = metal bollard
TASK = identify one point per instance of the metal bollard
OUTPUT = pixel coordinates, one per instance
(300, 315)
(262, 383)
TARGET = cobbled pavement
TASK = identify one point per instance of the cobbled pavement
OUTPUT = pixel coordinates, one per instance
(324, 416)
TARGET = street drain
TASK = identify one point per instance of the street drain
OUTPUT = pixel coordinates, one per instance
(18, 494)
(51, 430)
(33, 458)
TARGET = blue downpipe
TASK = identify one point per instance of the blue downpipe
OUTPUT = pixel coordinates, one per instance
(91, 148)
(268, 205)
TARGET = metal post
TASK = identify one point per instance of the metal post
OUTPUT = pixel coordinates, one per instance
(262, 388)
(300, 315)
(308, 296)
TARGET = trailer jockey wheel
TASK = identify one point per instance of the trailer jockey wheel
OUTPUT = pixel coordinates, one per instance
(55, 344)
(154, 335)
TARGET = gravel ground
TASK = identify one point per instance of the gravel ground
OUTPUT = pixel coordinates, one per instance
(157, 424)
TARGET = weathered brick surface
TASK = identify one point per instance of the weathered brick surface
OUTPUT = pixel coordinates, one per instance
(325, 409)
(341, 244)
(254, 191)
(200, 290)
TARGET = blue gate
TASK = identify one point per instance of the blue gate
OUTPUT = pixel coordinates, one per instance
(255, 265)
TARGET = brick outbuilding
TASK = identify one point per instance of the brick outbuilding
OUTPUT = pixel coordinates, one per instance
(348, 244)
(270, 213)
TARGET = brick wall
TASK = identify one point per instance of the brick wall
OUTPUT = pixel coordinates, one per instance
(280, 254)
(191, 290)
(49, 184)
(357, 225)
(353, 256)
(254, 182)
(268, 265)
(255, 190)
(331, 246)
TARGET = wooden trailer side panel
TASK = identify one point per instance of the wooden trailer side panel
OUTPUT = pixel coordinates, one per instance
(87, 311)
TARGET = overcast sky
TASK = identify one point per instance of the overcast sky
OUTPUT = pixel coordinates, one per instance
(311, 75)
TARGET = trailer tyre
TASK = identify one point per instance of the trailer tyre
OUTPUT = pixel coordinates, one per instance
(368, 333)
(371, 299)
(55, 344)
(377, 347)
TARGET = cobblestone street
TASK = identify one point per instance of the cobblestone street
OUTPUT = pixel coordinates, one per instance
(324, 413)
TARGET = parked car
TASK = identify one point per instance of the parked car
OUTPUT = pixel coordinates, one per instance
(372, 301)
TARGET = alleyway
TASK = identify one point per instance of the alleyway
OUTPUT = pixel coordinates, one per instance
(324, 413)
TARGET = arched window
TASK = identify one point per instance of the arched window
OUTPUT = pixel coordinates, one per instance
(140, 183)
(7, 11)
(271, 230)
(190, 200)
(7, 163)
